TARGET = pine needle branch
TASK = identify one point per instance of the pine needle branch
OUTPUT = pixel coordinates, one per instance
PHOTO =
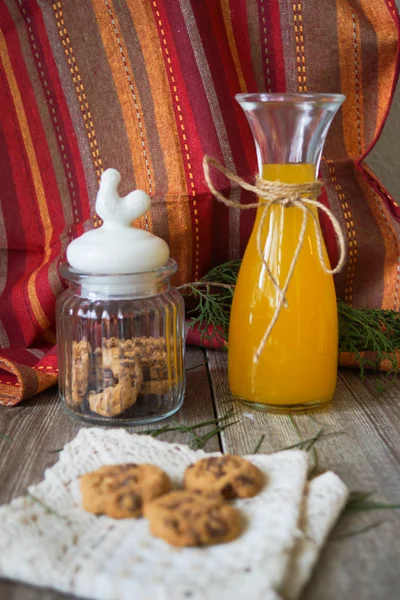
(360, 501)
(213, 295)
(369, 330)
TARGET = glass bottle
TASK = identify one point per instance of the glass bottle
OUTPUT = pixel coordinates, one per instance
(297, 369)
(120, 346)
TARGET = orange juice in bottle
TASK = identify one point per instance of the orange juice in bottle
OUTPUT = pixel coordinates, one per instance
(298, 366)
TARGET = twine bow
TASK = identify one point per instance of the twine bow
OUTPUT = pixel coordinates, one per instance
(275, 193)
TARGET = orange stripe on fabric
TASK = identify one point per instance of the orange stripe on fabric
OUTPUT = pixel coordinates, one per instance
(40, 316)
(80, 91)
(128, 97)
(184, 141)
(177, 212)
(348, 28)
(226, 13)
(28, 382)
(300, 49)
(391, 268)
(386, 32)
(351, 233)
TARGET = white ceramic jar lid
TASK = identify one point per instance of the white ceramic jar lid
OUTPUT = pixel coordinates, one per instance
(116, 247)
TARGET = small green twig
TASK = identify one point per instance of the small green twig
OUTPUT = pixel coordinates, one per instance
(6, 437)
(360, 501)
(202, 364)
(189, 430)
(308, 440)
(46, 508)
(314, 440)
(213, 433)
(157, 432)
(357, 531)
(259, 443)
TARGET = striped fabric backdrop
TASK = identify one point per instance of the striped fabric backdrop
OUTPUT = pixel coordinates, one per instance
(147, 87)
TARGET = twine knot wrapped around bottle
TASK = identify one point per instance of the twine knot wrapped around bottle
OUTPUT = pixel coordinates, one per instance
(272, 193)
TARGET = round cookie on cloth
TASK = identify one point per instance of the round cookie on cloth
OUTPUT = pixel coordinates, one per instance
(232, 476)
(191, 518)
(121, 491)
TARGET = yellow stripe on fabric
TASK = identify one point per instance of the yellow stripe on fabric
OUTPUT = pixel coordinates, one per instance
(128, 97)
(263, 27)
(178, 213)
(387, 40)
(350, 230)
(300, 46)
(348, 28)
(226, 13)
(38, 185)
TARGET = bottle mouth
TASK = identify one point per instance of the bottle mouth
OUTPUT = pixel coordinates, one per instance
(294, 98)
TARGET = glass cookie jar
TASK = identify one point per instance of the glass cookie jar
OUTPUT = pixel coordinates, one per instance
(120, 346)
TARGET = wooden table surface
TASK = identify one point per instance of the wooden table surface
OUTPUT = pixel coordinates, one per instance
(365, 453)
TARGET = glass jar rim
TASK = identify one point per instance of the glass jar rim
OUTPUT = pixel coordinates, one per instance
(291, 98)
(68, 272)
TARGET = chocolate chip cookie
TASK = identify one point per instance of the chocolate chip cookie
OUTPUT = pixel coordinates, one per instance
(231, 476)
(190, 518)
(80, 371)
(121, 491)
(118, 394)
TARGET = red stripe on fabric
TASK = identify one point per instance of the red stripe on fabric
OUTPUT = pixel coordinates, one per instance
(276, 60)
(216, 48)
(58, 109)
(169, 19)
(21, 233)
(20, 355)
(394, 11)
(227, 85)
(241, 33)
(236, 124)
(218, 223)
(327, 230)
(378, 188)
(35, 238)
(16, 261)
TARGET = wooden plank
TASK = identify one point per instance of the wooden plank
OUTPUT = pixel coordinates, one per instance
(39, 426)
(198, 405)
(36, 428)
(365, 453)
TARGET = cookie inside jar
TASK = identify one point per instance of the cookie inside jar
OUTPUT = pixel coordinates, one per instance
(111, 377)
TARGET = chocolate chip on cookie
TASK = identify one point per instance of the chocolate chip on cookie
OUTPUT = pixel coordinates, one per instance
(121, 491)
(231, 476)
(190, 518)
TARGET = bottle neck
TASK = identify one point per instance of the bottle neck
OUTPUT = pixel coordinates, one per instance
(289, 128)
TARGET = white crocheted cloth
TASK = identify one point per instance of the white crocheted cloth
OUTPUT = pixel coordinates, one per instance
(48, 540)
